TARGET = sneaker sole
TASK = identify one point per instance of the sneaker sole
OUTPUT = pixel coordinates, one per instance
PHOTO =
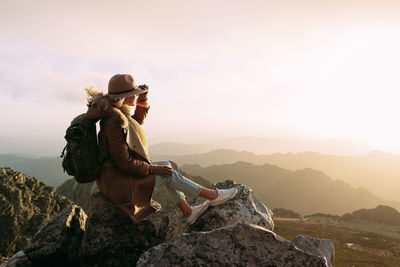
(217, 203)
(198, 215)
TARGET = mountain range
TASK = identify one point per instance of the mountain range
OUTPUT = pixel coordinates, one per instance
(306, 191)
(377, 172)
(46, 169)
(261, 145)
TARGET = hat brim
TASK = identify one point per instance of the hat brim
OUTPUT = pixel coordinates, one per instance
(133, 91)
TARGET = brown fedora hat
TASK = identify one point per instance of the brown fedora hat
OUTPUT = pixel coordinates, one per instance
(123, 85)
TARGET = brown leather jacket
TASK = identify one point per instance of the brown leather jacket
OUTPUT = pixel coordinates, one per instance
(125, 179)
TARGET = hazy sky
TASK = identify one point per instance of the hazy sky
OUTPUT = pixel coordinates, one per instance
(288, 69)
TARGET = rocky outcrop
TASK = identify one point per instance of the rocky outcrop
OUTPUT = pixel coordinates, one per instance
(244, 208)
(25, 205)
(58, 242)
(109, 233)
(235, 233)
(111, 239)
(234, 245)
(316, 246)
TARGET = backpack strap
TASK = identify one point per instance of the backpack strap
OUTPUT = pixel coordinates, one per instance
(63, 151)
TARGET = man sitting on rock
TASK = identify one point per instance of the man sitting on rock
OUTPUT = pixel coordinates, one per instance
(128, 176)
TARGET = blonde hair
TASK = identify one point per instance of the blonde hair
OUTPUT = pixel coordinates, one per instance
(92, 95)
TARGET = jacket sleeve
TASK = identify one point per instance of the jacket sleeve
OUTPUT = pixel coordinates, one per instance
(140, 114)
(119, 151)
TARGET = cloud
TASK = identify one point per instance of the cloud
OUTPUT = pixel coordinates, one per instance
(43, 78)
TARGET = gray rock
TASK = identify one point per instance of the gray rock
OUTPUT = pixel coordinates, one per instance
(58, 242)
(111, 239)
(18, 260)
(317, 246)
(235, 245)
(25, 205)
(244, 208)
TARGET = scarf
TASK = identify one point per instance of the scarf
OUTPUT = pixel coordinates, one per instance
(135, 138)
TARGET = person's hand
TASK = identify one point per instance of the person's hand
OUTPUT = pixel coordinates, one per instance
(162, 170)
(144, 87)
(143, 97)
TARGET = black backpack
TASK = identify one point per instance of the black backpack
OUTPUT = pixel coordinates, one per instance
(80, 155)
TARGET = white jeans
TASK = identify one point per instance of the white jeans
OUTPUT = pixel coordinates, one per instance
(176, 184)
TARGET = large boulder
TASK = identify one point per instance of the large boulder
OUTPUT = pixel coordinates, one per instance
(57, 243)
(25, 205)
(111, 239)
(243, 208)
(234, 245)
(317, 246)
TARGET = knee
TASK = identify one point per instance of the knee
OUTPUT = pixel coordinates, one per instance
(163, 163)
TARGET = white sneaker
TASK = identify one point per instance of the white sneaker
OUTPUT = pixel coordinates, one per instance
(196, 212)
(224, 195)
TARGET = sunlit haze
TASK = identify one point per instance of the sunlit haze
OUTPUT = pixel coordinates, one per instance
(304, 70)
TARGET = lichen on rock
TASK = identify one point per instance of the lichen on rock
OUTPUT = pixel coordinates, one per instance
(25, 205)
(235, 245)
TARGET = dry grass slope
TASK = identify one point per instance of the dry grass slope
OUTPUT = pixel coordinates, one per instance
(352, 247)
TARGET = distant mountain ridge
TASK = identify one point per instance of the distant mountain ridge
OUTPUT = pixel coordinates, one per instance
(306, 191)
(380, 214)
(378, 172)
(262, 145)
(382, 220)
(47, 169)
(172, 148)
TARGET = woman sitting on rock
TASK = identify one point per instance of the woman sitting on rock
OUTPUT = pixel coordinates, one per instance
(128, 177)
